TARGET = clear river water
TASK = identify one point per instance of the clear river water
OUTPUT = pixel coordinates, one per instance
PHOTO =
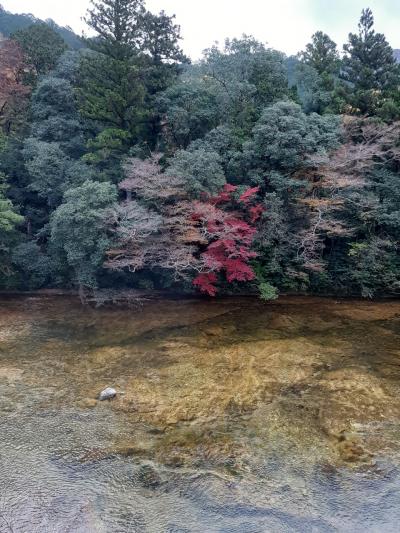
(236, 416)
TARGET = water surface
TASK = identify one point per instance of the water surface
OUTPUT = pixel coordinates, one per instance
(238, 416)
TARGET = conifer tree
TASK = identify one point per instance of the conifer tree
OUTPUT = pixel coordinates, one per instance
(321, 54)
(111, 92)
(369, 65)
(133, 56)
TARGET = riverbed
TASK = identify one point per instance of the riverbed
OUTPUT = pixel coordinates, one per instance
(233, 415)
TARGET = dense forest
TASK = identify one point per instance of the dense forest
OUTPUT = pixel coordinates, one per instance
(124, 165)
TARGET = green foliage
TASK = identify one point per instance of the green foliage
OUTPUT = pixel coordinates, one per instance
(9, 218)
(55, 116)
(247, 77)
(319, 93)
(374, 267)
(322, 189)
(35, 268)
(135, 56)
(56, 143)
(111, 98)
(42, 45)
(322, 54)
(284, 135)
(52, 172)
(201, 170)
(189, 111)
(267, 291)
(78, 229)
(369, 66)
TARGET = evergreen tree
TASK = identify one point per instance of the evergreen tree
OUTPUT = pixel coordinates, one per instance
(118, 24)
(78, 229)
(369, 66)
(134, 57)
(321, 54)
(112, 91)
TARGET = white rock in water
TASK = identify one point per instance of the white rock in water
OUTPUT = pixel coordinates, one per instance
(107, 394)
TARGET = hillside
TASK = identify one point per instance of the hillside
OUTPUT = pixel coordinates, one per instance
(10, 23)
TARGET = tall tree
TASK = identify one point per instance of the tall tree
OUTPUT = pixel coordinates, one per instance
(369, 66)
(321, 54)
(118, 24)
(133, 57)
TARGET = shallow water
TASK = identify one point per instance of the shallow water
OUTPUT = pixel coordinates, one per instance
(238, 416)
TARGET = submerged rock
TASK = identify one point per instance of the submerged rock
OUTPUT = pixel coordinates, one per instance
(148, 477)
(107, 394)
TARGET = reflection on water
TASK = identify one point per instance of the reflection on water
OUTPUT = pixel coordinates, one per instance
(237, 416)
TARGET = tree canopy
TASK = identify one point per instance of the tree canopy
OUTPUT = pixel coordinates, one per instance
(124, 165)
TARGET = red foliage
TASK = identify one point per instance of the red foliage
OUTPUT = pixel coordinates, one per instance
(249, 194)
(229, 237)
(255, 212)
(205, 283)
(225, 195)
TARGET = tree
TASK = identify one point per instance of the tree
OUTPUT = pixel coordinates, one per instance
(153, 229)
(317, 75)
(340, 206)
(134, 55)
(189, 110)
(9, 220)
(369, 66)
(118, 25)
(55, 116)
(248, 77)
(78, 230)
(112, 102)
(229, 237)
(51, 171)
(200, 170)
(42, 46)
(321, 54)
(158, 227)
(53, 150)
(161, 55)
(313, 92)
(284, 135)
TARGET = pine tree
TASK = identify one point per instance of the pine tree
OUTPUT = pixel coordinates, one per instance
(112, 91)
(134, 56)
(118, 24)
(321, 54)
(369, 65)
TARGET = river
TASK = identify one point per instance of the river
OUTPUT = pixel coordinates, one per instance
(236, 416)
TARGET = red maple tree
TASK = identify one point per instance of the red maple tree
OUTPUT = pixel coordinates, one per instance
(227, 224)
